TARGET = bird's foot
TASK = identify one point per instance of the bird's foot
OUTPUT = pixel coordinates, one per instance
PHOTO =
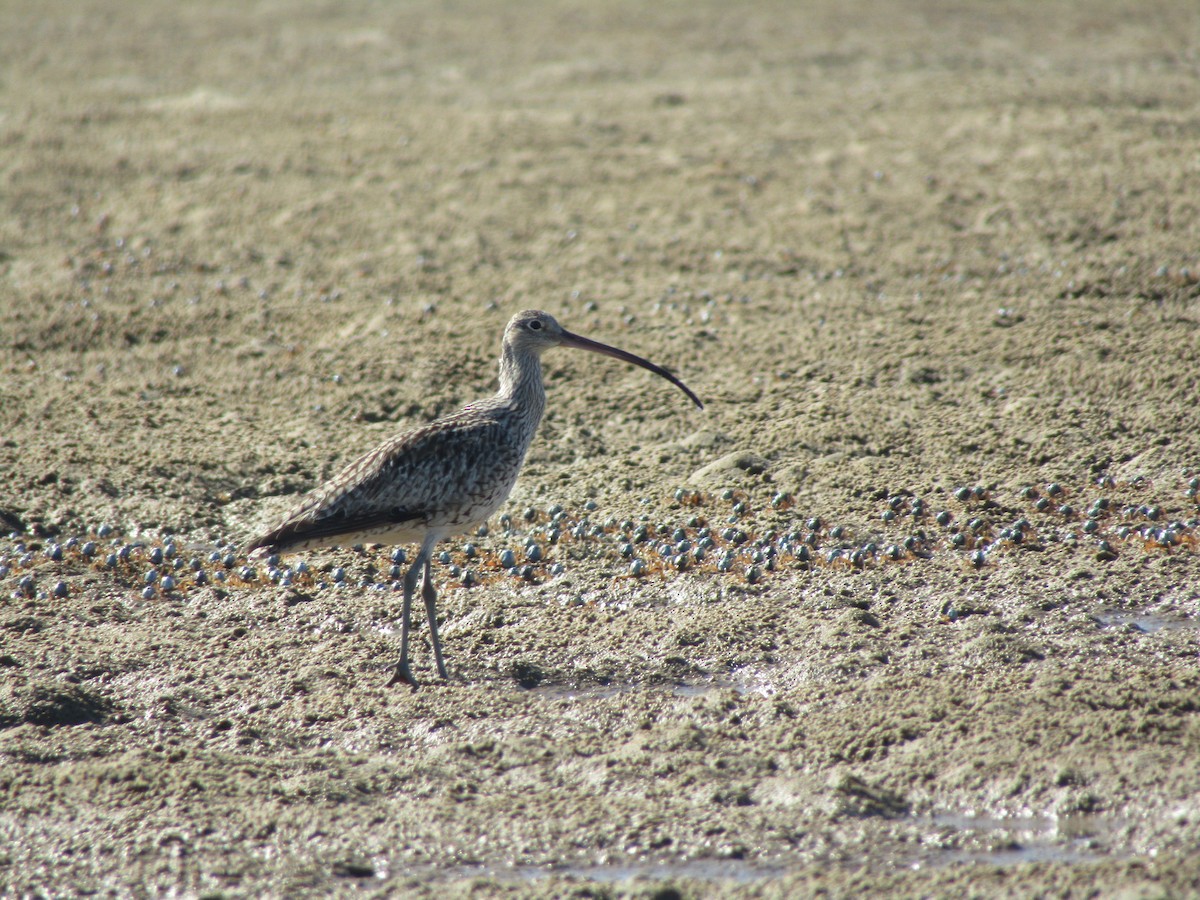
(403, 675)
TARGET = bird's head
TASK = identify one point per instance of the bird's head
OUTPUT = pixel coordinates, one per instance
(534, 331)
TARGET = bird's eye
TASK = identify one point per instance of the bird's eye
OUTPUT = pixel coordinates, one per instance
(535, 325)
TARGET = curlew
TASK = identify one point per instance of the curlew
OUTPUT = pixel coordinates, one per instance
(448, 477)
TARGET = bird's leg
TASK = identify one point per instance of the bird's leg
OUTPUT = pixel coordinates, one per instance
(430, 595)
(402, 674)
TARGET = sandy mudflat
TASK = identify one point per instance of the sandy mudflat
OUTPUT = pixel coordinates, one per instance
(935, 270)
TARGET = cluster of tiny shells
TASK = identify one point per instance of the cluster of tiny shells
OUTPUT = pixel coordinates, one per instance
(726, 535)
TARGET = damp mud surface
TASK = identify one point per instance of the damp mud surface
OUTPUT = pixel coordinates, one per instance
(910, 608)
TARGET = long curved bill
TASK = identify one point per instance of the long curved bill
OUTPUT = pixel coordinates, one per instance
(570, 339)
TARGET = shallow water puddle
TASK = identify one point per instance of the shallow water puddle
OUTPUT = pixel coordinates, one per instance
(732, 871)
(1145, 622)
(1007, 841)
(948, 838)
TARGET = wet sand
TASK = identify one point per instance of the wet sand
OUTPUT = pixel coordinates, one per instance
(934, 272)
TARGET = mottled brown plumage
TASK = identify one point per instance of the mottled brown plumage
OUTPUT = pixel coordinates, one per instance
(444, 478)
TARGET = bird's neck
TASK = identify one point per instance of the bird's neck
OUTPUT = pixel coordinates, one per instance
(521, 383)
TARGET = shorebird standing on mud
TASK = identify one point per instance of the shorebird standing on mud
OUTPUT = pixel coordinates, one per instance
(443, 479)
